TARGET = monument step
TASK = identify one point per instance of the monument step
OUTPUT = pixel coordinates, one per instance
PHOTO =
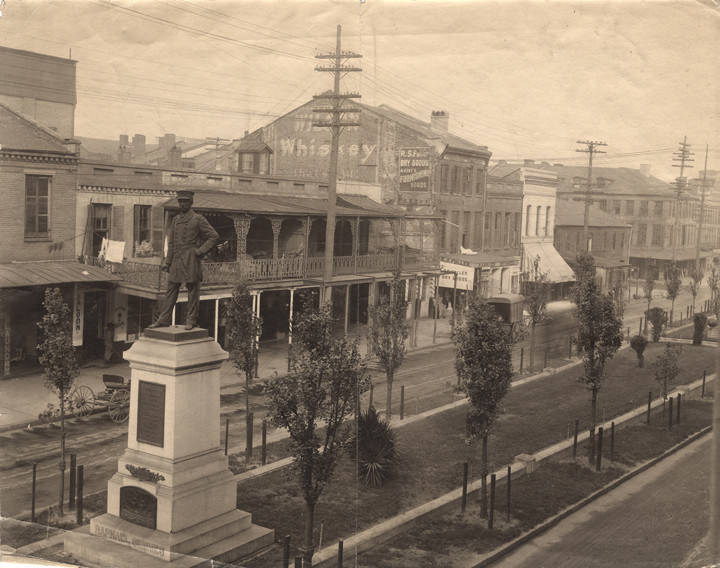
(238, 546)
(215, 530)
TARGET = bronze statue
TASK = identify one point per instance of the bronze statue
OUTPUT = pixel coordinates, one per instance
(189, 237)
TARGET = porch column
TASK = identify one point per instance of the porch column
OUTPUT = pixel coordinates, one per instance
(290, 325)
(347, 306)
(355, 225)
(276, 225)
(372, 287)
(256, 307)
(6, 343)
(306, 252)
(217, 314)
(242, 227)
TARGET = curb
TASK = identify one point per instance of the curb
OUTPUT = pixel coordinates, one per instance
(551, 522)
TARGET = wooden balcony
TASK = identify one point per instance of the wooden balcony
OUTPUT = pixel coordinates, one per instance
(147, 275)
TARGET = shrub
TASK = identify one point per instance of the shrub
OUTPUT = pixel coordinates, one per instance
(658, 319)
(377, 456)
(700, 322)
(638, 344)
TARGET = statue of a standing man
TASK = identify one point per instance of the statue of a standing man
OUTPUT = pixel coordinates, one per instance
(189, 237)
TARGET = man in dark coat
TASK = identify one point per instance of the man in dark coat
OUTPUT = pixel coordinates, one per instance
(189, 237)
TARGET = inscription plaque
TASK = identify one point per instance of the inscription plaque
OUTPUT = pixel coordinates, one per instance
(151, 413)
(138, 506)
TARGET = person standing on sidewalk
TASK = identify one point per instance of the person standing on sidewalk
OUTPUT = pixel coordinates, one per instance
(189, 238)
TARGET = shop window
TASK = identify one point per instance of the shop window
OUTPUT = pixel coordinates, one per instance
(37, 201)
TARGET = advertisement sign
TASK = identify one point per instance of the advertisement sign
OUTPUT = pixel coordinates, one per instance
(465, 276)
(414, 171)
(78, 315)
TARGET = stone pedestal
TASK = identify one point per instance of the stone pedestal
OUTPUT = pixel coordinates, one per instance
(173, 497)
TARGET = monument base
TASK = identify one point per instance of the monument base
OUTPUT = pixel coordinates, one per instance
(99, 552)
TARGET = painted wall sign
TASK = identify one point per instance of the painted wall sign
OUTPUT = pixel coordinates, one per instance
(414, 164)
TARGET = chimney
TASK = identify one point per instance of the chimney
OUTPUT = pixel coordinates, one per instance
(124, 140)
(528, 163)
(175, 157)
(167, 141)
(439, 120)
(138, 144)
(645, 169)
(124, 154)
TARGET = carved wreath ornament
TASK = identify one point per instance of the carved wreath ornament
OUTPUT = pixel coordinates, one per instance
(144, 474)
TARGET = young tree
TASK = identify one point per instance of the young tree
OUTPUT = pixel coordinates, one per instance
(242, 329)
(713, 281)
(658, 319)
(638, 344)
(484, 367)
(536, 289)
(313, 402)
(672, 283)
(599, 331)
(59, 360)
(666, 368)
(648, 287)
(696, 278)
(388, 333)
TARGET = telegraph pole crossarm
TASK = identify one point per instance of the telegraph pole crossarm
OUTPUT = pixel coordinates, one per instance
(591, 149)
(683, 156)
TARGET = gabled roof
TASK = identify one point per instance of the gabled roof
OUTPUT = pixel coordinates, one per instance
(571, 213)
(625, 181)
(18, 132)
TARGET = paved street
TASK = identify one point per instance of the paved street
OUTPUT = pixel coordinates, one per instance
(651, 521)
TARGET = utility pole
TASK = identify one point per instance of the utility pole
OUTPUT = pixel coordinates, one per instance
(702, 215)
(217, 142)
(683, 155)
(336, 123)
(590, 150)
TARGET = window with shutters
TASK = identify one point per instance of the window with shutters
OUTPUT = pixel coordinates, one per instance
(142, 231)
(37, 206)
(100, 226)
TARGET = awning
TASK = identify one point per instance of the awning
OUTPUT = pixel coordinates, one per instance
(58, 272)
(551, 262)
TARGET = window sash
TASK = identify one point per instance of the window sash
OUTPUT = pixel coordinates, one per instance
(37, 205)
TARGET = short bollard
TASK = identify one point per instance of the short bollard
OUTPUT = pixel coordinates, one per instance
(372, 392)
(522, 358)
(591, 446)
(648, 410)
(227, 434)
(670, 414)
(612, 441)
(491, 512)
(575, 437)
(263, 448)
(79, 508)
(677, 417)
(402, 402)
(73, 467)
(340, 553)
(598, 463)
(570, 347)
(545, 362)
(286, 552)
(463, 503)
(702, 393)
(508, 479)
(249, 437)
(32, 502)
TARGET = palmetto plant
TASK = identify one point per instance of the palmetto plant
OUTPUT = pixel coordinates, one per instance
(377, 455)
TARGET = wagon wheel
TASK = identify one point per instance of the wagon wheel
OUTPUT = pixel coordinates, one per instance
(119, 405)
(82, 400)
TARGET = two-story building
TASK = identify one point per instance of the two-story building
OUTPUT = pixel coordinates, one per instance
(609, 236)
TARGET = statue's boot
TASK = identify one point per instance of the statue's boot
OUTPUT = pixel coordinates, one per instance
(157, 323)
(189, 326)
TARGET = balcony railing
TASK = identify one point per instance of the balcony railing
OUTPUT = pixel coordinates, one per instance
(148, 275)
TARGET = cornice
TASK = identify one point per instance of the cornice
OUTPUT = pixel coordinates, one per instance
(20, 156)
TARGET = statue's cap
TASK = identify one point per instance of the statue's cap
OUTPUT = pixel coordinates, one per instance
(185, 194)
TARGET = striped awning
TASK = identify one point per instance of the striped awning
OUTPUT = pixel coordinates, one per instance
(41, 273)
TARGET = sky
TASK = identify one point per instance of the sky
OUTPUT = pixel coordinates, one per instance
(526, 79)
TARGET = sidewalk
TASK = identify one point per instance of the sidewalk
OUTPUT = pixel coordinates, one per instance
(23, 398)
